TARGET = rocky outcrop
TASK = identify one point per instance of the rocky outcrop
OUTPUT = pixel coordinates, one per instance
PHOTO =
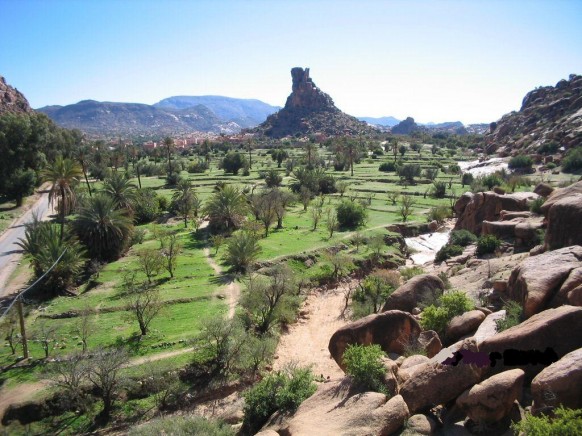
(309, 110)
(543, 189)
(463, 325)
(12, 100)
(422, 288)
(551, 329)
(433, 383)
(488, 327)
(393, 331)
(337, 408)
(420, 425)
(405, 127)
(544, 281)
(564, 223)
(492, 400)
(473, 209)
(549, 114)
(559, 384)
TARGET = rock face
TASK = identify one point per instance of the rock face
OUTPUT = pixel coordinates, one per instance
(564, 223)
(336, 409)
(405, 127)
(424, 287)
(551, 328)
(433, 383)
(309, 110)
(492, 400)
(392, 330)
(547, 114)
(12, 100)
(544, 281)
(559, 384)
(473, 209)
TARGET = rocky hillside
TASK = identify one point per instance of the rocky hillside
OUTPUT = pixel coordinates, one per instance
(106, 118)
(11, 100)
(550, 114)
(309, 110)
(406, 127)
(244, 112)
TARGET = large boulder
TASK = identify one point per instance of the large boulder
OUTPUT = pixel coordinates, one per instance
(421, 288)
(463, 325)
(488, 327)
(537, 280)
(337, 409)
(433, 383)
(564, 223)
(559, 194)
(543, 189)
(551, 329)
(492, 400)
(394, 331)
(559, 384)
(473, 209)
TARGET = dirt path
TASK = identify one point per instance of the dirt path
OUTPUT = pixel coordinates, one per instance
(20, 393)
(307, 340)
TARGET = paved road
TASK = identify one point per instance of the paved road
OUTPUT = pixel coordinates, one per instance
(10, 253)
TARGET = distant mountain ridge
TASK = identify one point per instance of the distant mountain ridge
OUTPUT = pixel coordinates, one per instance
(174, 115)
(244, 112)
(380, 121)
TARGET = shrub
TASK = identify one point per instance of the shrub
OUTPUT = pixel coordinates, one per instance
(573, 160)
(551, 165)
(364, 364)
(233, 162)
(467, 179)
(521, 162)
(197, 167)
(439, 213)
(242, 250)
(173, 179)
(408, 172)
(487, 244)
(351, 215)
(182, 425)
(448, 251)
(408, 273)
(439, 189)
(283, 391)
(536, 205)
(564, 423)
(273, 178)
(462, 238)
(387, 167)
(513, 316)
(145, 206)
(548, 148)
(448, 306)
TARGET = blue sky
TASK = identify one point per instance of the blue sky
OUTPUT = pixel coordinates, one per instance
(434, 60)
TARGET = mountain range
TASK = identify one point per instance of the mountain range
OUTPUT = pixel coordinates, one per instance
(171, 116)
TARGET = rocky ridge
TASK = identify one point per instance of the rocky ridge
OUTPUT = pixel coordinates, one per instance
(12, 100)
(549, 114)
(307, 111)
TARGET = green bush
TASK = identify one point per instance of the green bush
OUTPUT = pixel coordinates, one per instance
(566, 422)
(573, 160)
(408, 273)
(283, 391)
(351, 214)
(448, 251)
(242, 250)
(145, 206)
(436, 317)
(197, 167)
(521, 162)
(439, 189)
(182, 426)
(233, 162)
(551, 165)
(439, 213)
(487, 244)
(364, 364)
(387, 167)
(513, 316)
(467, 179)
(536, 205)
(548, 148)
(462, 238)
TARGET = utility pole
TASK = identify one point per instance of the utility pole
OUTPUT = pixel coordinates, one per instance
(22, 327)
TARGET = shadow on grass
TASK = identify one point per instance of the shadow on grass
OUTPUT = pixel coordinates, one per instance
(198, 240)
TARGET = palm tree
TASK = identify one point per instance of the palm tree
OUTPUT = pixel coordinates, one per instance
(82, 156)
(226, 209)
(242, 250)
(64, 174)
(168, 143)
(184, 199)
(118, 187)
(103, 228)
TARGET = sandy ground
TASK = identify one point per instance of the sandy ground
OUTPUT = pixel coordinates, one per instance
(306, 341)
(20, 393)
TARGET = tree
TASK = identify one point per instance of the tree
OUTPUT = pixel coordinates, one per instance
(341, 187)
(169, 143)
(331, 222)
(315, 212)
(105, 374)
(466, 179)
(70, 373)
(249, 147)
(431, 173)
(350, 214)
(9, 329)
(233, 162)
(20, 185)
(217, 241)
(242, 250)
(392, 197)
(394, 145)
(82, 155)
(151, 262)
(121, 190)
(184, 200)
(279, 155)
(104, 229)
(285, 199)
(267, 204)
(311, 153)
(402, 149)
(226, 209)
(340, 264)
(143, 302)
(273, 179)
(358, 239)
(63, 174)
(222, 339)
(84, 326)
(170, 250)
(408, 172)
(406, 204)
(46, 336)
(305, 197)
(373, 292)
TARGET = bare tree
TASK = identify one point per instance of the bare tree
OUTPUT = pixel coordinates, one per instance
(9, 328)
(84, 326)
(392, 197)
(315, 213)
(267, 205)
(170, 250)
(105, 374)
(305, 197)
(341, 187)
(151, 262)
(46, 336)
(406, 204)
(70, 373)
(143, 302)
(340, 264)
(331, 222)
(217, 241)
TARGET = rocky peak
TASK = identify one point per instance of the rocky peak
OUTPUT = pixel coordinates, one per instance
(309, 110)
(405, 127)
(11, 100)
